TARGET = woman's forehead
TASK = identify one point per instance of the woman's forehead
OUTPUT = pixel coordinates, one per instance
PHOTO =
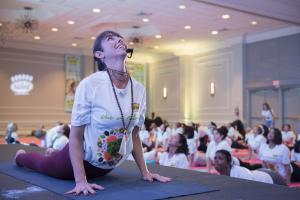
(112, 34)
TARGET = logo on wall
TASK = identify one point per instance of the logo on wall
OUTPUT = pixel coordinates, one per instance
(21, 84)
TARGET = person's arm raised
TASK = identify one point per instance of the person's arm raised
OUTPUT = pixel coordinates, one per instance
(76, 156)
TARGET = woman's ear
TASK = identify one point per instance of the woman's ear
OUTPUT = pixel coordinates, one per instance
(99, 54)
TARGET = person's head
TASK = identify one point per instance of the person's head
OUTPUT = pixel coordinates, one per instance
(12, 127)
(259, 129)
(212, 125)
(222, 161)
(179, 142)
(188, 132)
(266, 106)
(220, 134)
(297, 147)
(64, 130)
(286, 127)
(274, 136)
(108, 44)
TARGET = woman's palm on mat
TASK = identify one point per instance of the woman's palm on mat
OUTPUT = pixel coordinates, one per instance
(85, 188)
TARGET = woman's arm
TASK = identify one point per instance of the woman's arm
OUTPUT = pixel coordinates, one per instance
(76, 156)
(139, 159)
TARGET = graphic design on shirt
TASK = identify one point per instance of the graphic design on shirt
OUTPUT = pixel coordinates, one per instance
(109, 145)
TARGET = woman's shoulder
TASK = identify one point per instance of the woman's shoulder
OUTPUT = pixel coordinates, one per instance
(138, 85)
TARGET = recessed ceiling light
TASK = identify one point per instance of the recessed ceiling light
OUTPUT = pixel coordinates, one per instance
(214, 32)
(96, 10)
(93, 38)
(182, 40)
(254, 23)
(187, 27)
(182, 7)
(0, 24)
(145, 20)
(71, 22)
(158, 36)
(225, 16)
(156, 47)
(54, 29)
(74, 44)
(131, 43)
(37, 37)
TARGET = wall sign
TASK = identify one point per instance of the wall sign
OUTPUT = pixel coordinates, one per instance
(21, 84)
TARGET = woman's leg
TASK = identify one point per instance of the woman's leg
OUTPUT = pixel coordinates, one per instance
(57, 165)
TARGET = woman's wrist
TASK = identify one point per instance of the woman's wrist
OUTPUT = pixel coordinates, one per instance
(80, 179)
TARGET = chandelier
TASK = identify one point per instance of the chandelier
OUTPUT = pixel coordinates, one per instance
(5, 33)
(26, 22)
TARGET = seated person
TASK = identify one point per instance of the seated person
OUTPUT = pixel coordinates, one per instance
(225, 166)
(60, 139)
(176, 154)
(295, 161)
(11, 136)
(275, 155)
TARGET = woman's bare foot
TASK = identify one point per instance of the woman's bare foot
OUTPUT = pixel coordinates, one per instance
(20, 151)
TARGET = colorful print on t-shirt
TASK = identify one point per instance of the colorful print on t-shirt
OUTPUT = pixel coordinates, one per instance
(109, 144)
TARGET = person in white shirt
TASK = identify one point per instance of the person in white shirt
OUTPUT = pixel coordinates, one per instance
(108, 111)
(218, 143)
(295, 161)
(257, 140)
(288, 136)
(59, 140)
(275, 155)
(11, 136)
(176, 154)
(268, 115)
(191, 142)
(225, 166)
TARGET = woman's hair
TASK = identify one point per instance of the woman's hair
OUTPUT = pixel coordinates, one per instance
(98, 47)
(223, 131)
(226, 154)
(277, 136)
(267, 105)
(239, 126)
(66, 130)
(188, 132)
(183, 148)
(297, 147)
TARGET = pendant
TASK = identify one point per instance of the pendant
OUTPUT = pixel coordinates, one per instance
(123, 145)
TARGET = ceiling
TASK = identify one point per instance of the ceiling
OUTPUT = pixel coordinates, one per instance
(165, 19)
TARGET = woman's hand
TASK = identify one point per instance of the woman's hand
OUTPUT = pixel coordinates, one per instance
(85, 188)
(151, 177)
(49, 151)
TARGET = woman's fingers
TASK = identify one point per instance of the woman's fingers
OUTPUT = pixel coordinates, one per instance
(96, 186)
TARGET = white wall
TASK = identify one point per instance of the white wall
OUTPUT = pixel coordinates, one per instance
(188, 79)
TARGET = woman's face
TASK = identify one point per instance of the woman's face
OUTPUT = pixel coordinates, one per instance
(113, 46)
(256, 130)
(271, 135)
(285, 128)
(220, 162)
(217, 136)
(174, 140)
(265, 107)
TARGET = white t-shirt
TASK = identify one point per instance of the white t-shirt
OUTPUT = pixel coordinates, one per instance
(244, 173)
(256, 141)
(192, 146)
(287, 136)
(212, 148)
(59, 142)
(295, 157)
(279, 155)
(267, 115)
(144, 135)
(95, 107)
(50, 135)
(178, 160)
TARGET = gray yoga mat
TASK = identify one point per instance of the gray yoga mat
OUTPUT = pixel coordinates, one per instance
(119, 184)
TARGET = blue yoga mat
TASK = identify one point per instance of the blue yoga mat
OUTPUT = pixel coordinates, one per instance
(120, 183)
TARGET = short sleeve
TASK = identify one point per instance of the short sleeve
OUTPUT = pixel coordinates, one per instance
(182, 161)
(81, 112)
(142, 111)
(261, 151)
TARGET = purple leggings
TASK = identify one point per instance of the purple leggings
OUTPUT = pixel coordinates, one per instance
(57, 165)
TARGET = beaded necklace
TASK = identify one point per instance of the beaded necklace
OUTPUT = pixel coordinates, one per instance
(119, 106)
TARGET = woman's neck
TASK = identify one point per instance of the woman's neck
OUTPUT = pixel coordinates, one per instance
(225, 171)
(272, 145)
(172, 151)
(116, 64)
